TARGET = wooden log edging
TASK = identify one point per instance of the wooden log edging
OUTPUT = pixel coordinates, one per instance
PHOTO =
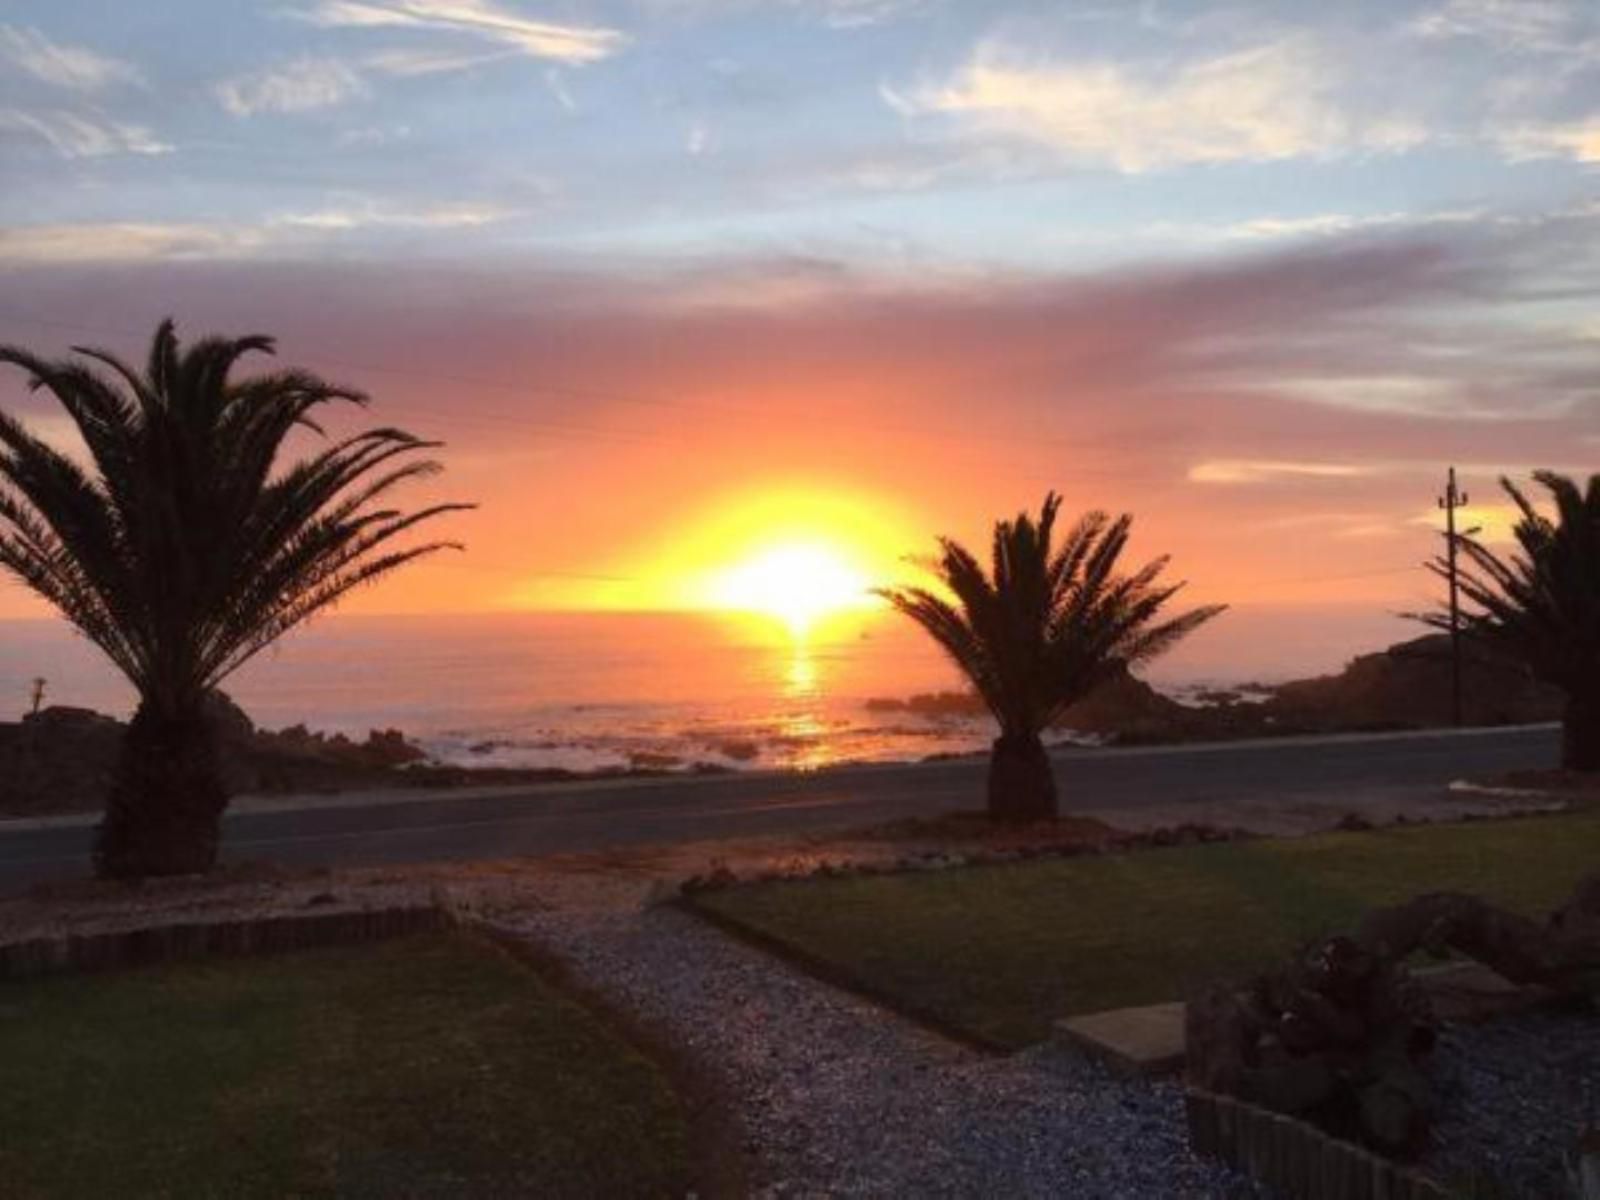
(1293, 1158)
(274, 934)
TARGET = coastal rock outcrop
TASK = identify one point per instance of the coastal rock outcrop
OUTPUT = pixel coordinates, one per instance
(1407, 686)
(60, 759)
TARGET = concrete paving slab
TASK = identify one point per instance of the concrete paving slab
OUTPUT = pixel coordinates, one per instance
(1147, 1040)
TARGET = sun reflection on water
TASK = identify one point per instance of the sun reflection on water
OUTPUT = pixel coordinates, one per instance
(796, 669)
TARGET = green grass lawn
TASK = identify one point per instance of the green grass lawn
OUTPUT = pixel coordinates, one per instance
(432, 1066)
(1001, 951)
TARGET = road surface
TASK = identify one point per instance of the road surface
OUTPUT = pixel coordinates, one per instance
(555, 818)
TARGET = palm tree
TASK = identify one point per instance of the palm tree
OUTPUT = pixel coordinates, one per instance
(1542, 605)
(180, 552)
(1045, 627)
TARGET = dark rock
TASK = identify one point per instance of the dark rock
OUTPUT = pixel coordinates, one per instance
(65, 716)
(1408, 686)
(61, 758)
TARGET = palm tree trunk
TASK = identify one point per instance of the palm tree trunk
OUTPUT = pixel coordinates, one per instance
(167, 797)
(1580, 730)
(1022, 785)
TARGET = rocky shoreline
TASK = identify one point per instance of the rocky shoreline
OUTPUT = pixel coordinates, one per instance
(1406, 687)
(59, 760)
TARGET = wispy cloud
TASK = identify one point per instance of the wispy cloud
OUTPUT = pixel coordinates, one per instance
(1315, 225)
(1578, 140)
(302, 85)
(430, 62)
(154, 242)
(73, 135)
(834, 14)
(554, 41)
(125, 241)
(1236, 471)
(369, 215)
(1425, 395)
(859, 14)
(1529, 26)
(1269, 102)
(75, 67)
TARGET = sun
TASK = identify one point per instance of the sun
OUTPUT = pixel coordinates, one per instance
(797, 583)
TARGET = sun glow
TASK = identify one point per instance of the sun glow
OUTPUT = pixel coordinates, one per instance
(797, 583)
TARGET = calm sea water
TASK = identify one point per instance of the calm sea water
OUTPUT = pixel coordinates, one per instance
(586, 691)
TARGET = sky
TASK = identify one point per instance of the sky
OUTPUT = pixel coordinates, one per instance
(681, 281)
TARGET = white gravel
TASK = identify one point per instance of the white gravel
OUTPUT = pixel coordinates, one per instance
(837, 1097)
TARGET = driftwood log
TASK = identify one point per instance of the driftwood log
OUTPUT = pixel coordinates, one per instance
(1562, 954)
(1340, 1037)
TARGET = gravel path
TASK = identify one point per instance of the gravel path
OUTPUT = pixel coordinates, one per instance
(838, 1097)
(1515, 1095)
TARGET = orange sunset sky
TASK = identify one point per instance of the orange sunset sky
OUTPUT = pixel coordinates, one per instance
(683, 286)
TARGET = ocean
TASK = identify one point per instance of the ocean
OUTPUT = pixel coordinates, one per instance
(591, 691)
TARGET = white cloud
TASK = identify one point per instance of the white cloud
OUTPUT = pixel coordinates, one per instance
(73, 135)
(119, 242)
(835, 14)
(1578, 140)
(1270, 228)
(304, 84)
(75, 67)
(1420, 396)
(573, 44)
(135, 241)
(1234, 471)
(1266, 103)
(429, 62)
(360, 216)
(859, 14)
(1537, 26)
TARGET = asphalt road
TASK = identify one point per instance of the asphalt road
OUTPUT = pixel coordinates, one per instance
(554, 818)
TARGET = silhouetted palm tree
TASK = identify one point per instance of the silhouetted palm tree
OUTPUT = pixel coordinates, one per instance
(1040, 631)
(181, 552)
(1542, 605)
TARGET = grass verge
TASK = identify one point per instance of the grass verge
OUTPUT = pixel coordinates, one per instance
(999, 952)
(431, 1066)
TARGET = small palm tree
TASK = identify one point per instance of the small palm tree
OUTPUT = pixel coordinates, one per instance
(181, 552)
(1542, 605)
(1045, 627)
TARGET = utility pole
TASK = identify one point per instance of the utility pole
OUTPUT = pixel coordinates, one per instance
(38, 694)
(1453, 499)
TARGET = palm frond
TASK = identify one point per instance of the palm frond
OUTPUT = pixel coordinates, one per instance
(1540, 603)
(1047, 624)
(186, 548)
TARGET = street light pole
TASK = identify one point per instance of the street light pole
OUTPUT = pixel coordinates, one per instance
(1453, 499)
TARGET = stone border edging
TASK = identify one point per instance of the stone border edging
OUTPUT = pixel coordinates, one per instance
(85, 953)
(1293, 1157)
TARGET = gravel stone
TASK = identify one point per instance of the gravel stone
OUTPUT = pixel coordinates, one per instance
(1515, 1095)
(838, 1097)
